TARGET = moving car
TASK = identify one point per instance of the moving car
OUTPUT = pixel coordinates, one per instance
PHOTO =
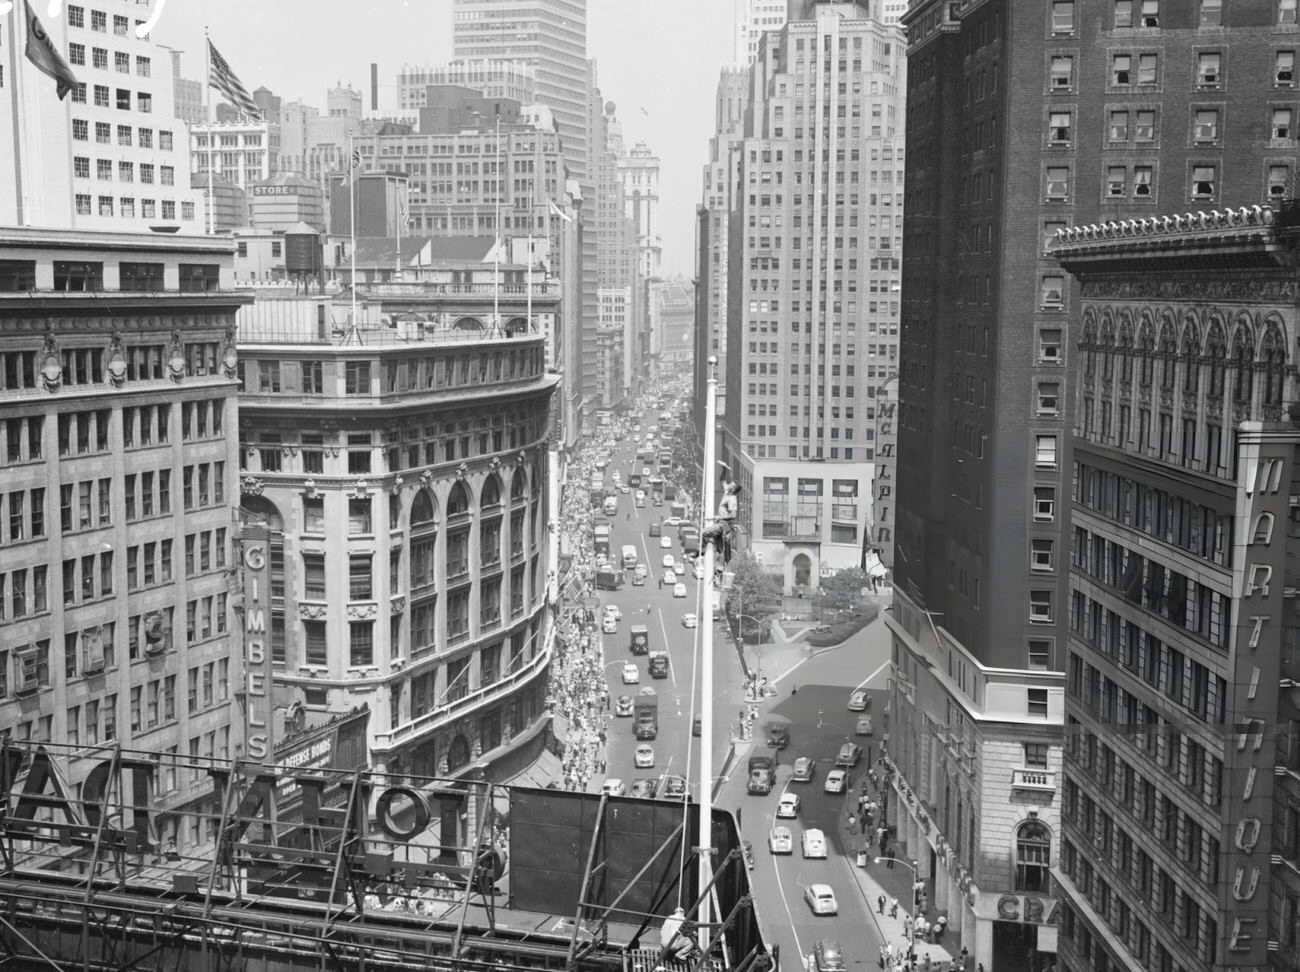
(836, 781)
(644, 788)
(859, 701)
(623, 707)
(827, 956)
(641, 571)
(656, 530)
(778, 737)
(697, 726)
(631, 674)
(814, 843)
(698, 570)
(645, 756)
(670, 578)
(849, 755)
(780, 841)
(669, 560)
(864, 726)
(612, 611)
(804, 767)
(679, 590)
(625, 488)
(638, 580)
(613, 787)
(690, 621)
(788, 806)
(821, 899)
(608, 625)
(665, 543)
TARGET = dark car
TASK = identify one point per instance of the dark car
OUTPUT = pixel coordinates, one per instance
(827, 956)
(697, 726)
(778, 737)
(673, 788)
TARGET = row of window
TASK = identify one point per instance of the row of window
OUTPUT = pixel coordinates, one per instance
(1142, 69)
(126, 207)
(22, 515)
(1128, 127)
(203, 484)
(87, 505)
(209, 684)
(1146, 14)
(148, 564)
(23, 592)
(126, 171)
(87, 578)
(1202, 182)
(1149, 584)
(205, 551)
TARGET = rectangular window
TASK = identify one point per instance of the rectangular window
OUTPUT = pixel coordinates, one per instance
(1206, 125)
(1121, 70)
(361, 643)
(1036, 700)
(1049, 397)
(1286, 11)
(1123, 13)
(1211, 13)
(1147, 64)
(1117, 128)
(1062, 16)
(1053, 291)
(1058, 182)
(1279, 178)
(1059, 127)
(1142, 176)
(1040, 551)
(1045, 451)
(1281, 124)
(1116, 180)
(1062, 72)
(1203, 179)
(1208, 64)
(1144, 125)
(1284, 69)
(1040, 653)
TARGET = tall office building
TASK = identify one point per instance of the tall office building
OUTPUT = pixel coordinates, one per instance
(815, 234)
(493, 79)
(753, 18)
(117, 418)
(113, 155)
(1024, 119)
(550, 37)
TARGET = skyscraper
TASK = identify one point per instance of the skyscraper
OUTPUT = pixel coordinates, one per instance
(1024, 119)
(550, 36)
(753, 17)
(815, 233)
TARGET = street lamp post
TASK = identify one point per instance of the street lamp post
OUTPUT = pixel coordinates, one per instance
(911, 938)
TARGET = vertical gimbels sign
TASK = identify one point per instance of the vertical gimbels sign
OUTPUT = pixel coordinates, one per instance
(1263, 500)
(257, 653)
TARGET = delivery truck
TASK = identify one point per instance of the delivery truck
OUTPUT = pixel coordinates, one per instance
(645, 714)
(640, 643)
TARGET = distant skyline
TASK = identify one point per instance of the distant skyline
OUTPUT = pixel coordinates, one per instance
(657, 60)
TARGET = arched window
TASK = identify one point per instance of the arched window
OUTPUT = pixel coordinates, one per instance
(518, 487)
(1168, 356)
(1191, 360)
(1273, 361)
(1126, 353)
(458, 501)
(1216, 350)
(457, 753)
(422, 508)
(1090, 349)
(491, 495)
(1108, 351)
(1033, 857)
(1243, 366)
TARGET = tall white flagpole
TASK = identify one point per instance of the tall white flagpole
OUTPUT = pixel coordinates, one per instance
(532, 210)
(352, 224)
(19, 116)
(207, 102)
(705, 836)
(496, 249)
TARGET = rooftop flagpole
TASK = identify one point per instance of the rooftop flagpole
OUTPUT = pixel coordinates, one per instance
(207, 102)
(704, 846)
(353, 164)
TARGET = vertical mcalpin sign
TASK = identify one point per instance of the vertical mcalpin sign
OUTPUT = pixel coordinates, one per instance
(257, 655)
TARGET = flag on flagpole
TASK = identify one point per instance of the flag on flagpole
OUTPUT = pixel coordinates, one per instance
(224, 80)
(42, 52)
(558, 211)
(403, 214)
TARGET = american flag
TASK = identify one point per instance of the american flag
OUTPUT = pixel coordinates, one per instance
(224, 80)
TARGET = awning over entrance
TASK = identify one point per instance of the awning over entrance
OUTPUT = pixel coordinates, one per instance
(545, 769)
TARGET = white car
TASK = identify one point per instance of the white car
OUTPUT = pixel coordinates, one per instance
(640, 494)
(859, 701)
(864, 726)
(814, 843)
(821, 899)
(690, 621)
(679, 590)
(613, 787)
(779, 841)
(665, 543)
(836, 781)
(669, 578)
(669, 560)
(631, 674)
(609, 625)
(698, 570)
(646, 471)
(612, 610)
(645, 756)
(673, 521)
(625, 488)
(788, 806)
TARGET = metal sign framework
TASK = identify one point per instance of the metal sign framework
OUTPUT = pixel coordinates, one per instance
(354, 870)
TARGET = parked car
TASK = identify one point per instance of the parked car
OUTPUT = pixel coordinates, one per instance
(631, 674)
(669, 560)
(609, 625)
(859, 701)
(670, 578)
(665, 543)
(778, 737)
(612, 611)
(638, 580)
(697, 726)
(804, 768)
(780, 841)
(644, 788)
(623, 707)
(673, 788)
(814, 843)
(864, 726)
(821, 899)
(690, 621)
(788, 806)
(613, 787)
(645, 756)
(836, 781)
(679, 590)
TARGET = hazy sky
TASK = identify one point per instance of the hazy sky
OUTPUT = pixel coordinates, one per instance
(660, 55)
